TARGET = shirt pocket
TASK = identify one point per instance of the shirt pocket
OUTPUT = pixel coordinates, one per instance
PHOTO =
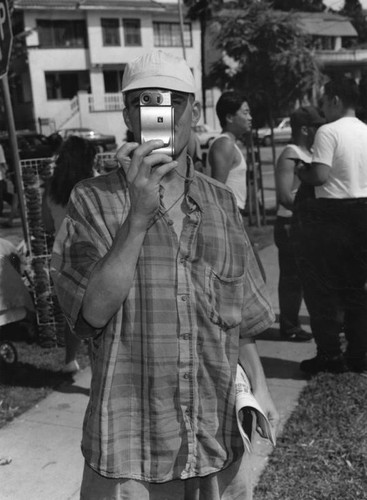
(224, 299)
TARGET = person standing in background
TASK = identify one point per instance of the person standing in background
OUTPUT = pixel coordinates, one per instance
(225, 158)
(75, 162)
(304, 123)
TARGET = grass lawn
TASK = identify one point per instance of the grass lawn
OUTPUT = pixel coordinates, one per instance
(322, 454)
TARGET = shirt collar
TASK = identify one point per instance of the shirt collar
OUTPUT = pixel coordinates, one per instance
(193, 190)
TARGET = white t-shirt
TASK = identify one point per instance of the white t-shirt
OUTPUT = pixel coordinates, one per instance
(295, 152)
(342, 146)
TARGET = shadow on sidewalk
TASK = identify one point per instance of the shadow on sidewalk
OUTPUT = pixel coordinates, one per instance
(273, 335)
(72, 389)
(27, 375)
(282, 369)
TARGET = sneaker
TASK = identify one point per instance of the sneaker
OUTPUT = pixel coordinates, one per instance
(324, 363)
(71, 367)
(296, 335)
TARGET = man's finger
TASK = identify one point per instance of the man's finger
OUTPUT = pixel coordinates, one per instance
(159, 172)
(123, 155)
(142, 160)
(126, 149)
(148, 147)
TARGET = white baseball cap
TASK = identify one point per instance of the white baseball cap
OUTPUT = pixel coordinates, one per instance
(158, 69)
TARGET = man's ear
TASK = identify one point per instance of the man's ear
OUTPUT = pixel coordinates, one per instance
(336, 100)
(196, 112)
(229, 118)
(127, 121)
(304, 130)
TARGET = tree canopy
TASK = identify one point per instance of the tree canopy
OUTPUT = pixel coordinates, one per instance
(267, 56)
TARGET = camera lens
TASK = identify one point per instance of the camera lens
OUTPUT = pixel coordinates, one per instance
(146, 98)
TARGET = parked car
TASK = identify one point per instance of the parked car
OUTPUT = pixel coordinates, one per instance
(30, 145)
(103, 142)
(205, 134)
(282, 132)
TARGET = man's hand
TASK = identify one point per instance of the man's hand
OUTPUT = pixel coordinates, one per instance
(113, 275)
(266, 403)
(144, 172)
(300, 167)
(313, 173)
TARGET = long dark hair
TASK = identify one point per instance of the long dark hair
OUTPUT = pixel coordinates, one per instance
(73, 164)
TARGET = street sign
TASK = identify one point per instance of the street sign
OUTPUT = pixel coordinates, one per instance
(6, 37)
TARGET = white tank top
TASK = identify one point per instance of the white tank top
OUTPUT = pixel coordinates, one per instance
(236, 179)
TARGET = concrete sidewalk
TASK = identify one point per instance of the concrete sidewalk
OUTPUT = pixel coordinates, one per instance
(44, 443)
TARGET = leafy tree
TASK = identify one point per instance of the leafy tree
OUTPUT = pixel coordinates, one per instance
(272, 61)
(301, 5)
(353, 10)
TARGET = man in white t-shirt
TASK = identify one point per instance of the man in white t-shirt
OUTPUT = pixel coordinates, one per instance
(335, 233)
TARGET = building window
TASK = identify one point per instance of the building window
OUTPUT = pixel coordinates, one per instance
(112, 81)
(110, 32)
(132, 32)
(62, 34)
(168, 35)
(66, 84)
(324, 43)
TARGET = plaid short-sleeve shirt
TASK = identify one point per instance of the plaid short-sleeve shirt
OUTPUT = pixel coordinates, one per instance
(162, 402)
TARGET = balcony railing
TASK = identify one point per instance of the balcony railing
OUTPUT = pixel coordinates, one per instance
(343, 56)
(111, 102)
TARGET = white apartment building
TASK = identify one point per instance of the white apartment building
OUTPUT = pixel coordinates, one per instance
(76, 52)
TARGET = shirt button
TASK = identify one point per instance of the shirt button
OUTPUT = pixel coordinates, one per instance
(185, 336)
(184, 298)
(186, 375)
(182, 260)
(170, 222)
(188, 411)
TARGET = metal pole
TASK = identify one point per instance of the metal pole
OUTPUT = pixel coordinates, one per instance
(181, 28)
(15, 154)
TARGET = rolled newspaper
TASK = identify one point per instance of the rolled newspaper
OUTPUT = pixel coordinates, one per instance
(249, 413)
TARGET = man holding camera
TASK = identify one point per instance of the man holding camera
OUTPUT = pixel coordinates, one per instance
(150, 264)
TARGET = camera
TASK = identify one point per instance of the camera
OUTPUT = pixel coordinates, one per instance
(157, 119)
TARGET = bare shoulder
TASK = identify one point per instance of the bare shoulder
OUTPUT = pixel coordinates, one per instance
(223, 142)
